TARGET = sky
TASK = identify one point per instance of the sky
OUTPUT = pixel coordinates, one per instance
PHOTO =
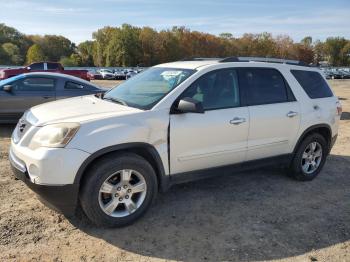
(77, 19)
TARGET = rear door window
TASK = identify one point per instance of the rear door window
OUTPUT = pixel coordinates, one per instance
(313, 83)
(263, 86)
(53, 66)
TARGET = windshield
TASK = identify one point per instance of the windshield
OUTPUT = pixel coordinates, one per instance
(146, 89)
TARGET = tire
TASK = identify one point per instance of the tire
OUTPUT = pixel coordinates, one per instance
(110, 169)
(297, 169)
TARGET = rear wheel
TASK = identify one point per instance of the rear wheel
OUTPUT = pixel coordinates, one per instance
(309, 158)
(118, 190)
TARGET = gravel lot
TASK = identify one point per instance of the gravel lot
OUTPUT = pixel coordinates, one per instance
(250, 216)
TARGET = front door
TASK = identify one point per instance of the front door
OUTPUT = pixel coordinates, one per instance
(219, 136)
(26, 93)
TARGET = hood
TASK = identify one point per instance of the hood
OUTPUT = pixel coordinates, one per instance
(76, 109)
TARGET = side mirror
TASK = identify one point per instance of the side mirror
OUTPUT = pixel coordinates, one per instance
(189, 105)
(7, 88)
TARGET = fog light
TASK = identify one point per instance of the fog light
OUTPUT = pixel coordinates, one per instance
(33, 170)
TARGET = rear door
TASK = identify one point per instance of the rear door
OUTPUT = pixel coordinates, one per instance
(27, 92)
(273, 110)
(53, 67)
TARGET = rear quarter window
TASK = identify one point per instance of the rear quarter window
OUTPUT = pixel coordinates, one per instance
(313, 83)
(72, 85)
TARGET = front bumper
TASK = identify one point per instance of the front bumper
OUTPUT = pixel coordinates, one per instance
(334, 138)
(60, 198)
(50, 174)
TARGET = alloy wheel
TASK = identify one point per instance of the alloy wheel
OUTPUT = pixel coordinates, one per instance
(122, 193)
(311, 158)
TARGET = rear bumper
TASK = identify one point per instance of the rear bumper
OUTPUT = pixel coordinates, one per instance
(62, 198)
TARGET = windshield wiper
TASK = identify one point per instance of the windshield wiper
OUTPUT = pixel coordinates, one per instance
(115, 100)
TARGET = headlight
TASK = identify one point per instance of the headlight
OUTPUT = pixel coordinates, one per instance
(55, 135)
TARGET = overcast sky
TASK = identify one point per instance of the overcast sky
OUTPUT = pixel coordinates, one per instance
(77, 19)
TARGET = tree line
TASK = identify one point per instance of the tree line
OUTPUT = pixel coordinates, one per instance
(129, 45)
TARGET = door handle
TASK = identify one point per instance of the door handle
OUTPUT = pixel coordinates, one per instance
(237, 121)
(292, 114)
(46, 97)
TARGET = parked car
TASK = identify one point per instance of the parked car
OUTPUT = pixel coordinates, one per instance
(119, 74)
(21, 92)
(107, 74)
(335, 74)
(343, 74)
(327, 74)
(130, 74)
(94, 75)
(174, 123)
(42, 67)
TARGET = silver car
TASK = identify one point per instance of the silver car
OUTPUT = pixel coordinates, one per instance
(21, 92)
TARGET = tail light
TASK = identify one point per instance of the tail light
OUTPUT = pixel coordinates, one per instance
(339, 108)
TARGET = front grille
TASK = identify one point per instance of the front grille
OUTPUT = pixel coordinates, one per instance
(22, 127)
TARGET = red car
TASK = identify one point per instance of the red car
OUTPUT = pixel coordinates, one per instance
(42, 67)
(94, 75)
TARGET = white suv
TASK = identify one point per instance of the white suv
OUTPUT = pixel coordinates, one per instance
(174, 123)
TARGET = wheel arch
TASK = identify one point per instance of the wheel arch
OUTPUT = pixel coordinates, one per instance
(147, 151)
(322, 129)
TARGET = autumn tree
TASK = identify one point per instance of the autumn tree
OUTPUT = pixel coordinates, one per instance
(129, 45)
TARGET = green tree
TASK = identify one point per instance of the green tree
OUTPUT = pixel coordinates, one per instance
(55, 47)
(306, 41)
(226, 35)
(3, 56)
(102, 38)
(319, 53)
(345, 54)
(35, 54)
(72, 60)
(13, 53)
(333, 49)
(86, 52)
(11, 35)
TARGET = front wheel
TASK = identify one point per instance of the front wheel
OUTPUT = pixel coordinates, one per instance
(309, 158)
(118, 190)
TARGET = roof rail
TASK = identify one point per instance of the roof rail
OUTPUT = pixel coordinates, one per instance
(248, 59)
(201, 59)
(262, 59)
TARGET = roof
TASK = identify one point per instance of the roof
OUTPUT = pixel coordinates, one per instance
(60, 75)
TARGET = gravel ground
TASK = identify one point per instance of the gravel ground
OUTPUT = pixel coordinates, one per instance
(250, 216)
